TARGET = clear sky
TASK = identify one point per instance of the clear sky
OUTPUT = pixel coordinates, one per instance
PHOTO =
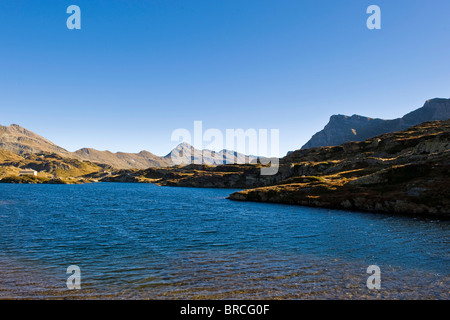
(137, 70)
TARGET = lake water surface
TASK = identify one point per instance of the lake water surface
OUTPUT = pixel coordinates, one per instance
(141, 241)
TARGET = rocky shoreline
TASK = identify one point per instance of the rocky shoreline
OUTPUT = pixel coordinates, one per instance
(405, 172)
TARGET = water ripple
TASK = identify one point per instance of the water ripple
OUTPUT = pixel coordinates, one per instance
(143, 241)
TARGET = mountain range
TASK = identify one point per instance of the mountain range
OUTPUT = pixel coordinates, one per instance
(341, 128)
(21, 141)
(405, 171)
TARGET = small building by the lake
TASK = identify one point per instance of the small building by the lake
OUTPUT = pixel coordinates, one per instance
(27, 172)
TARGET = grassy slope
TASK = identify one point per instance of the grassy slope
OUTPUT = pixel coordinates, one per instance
(49, 166)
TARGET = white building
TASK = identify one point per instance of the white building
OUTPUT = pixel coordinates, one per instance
(26, 172)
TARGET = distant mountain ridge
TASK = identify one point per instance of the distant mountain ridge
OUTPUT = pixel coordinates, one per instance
(123, 160)
(19, 140)
(186, 153)
(341, 128)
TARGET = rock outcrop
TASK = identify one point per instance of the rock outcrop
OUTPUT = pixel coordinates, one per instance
(405, 172)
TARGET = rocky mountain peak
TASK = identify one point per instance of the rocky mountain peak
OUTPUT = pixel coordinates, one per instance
(342, 128)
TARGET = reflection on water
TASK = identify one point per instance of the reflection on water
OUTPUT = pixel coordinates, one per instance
(138, 241)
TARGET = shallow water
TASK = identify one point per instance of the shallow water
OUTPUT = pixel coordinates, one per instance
(139, 241)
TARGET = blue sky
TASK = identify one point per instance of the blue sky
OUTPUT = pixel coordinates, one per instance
(137, 70)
